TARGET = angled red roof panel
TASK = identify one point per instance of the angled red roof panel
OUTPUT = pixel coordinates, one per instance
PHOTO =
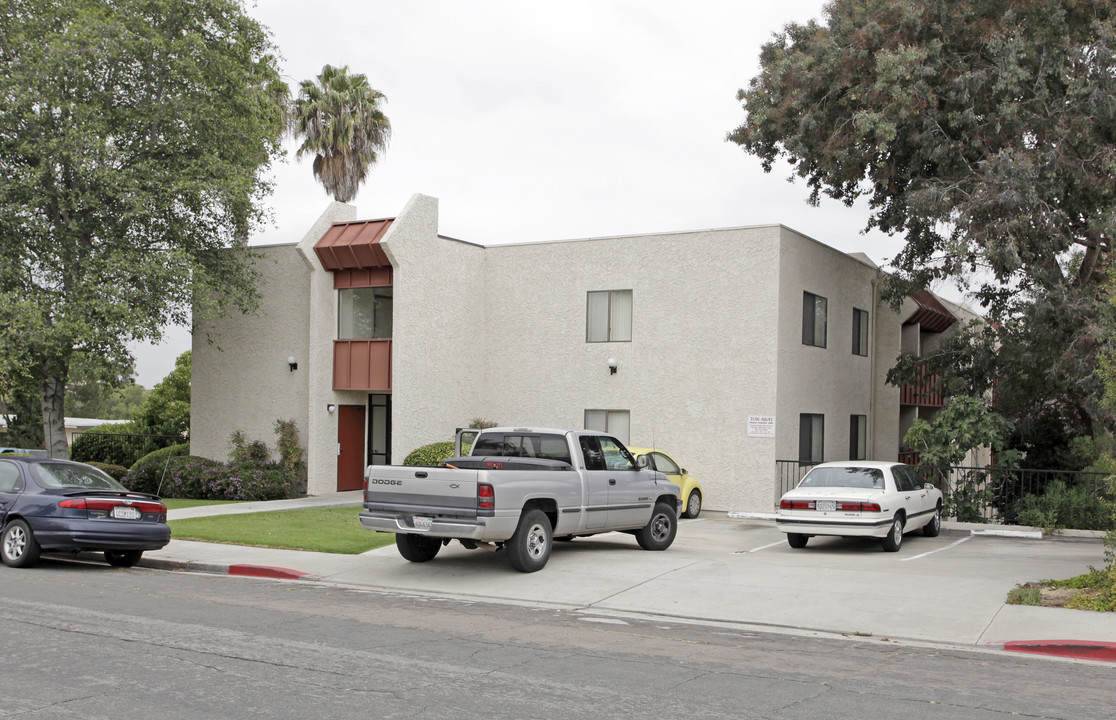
(931, 314)
(353, 245)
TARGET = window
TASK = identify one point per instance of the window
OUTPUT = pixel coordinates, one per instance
(858, 437)
(905, 479)
(550, 447)
(608, 316)
(860, 332)
(811, 438)
(813, 319)
(613, 422)
(364, 313)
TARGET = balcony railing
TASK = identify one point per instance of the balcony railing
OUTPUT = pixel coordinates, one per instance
(362, 365)
(926, 391)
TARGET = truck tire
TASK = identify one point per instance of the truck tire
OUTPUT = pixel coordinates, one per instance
(529, 548)
(659, 532)
(417, 548)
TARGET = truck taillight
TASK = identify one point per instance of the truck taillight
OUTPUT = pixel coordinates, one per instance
(486, 496)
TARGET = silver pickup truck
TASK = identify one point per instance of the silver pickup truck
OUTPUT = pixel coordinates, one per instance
(519, 489)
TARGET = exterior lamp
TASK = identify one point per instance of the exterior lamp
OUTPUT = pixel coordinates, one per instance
(330, 407)
(292, 363)
(612, 366)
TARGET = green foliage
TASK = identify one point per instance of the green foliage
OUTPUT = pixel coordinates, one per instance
(160, 455)
(23, 413)
(116, 471)
(432, 455)
(97, 389)
(1025, 596)
(339, 119)
(117, 444)
(963, 425)
(980, 132)
(1060, 507)
(134, 137)
(166, 408)
(479, 423)
(245, 451)
(200, 478)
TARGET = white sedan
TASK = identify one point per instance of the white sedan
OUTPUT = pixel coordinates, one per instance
(860, 498)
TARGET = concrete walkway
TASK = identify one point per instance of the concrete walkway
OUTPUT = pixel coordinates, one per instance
(944, 590)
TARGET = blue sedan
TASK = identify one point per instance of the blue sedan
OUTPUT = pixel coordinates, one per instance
(49, 505)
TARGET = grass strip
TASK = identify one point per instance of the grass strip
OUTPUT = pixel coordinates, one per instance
(179, 503)
(330, 530)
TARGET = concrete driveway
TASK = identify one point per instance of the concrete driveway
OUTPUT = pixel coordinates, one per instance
(948, 589)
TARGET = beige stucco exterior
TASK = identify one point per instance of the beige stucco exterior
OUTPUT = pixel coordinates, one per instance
(499, 332)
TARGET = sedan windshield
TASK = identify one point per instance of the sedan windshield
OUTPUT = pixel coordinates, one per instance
(78, 477)
(849, 477)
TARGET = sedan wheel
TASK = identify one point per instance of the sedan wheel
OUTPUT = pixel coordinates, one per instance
(894, 538)
(18, 547)
(797, 540)
(932, 528)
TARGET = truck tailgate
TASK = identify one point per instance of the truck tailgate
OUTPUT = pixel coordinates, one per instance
(422, 490)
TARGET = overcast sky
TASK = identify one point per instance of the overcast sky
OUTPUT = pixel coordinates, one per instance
(542, 121)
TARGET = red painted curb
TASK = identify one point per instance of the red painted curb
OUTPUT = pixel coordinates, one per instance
(263, 571)
(1079, 649)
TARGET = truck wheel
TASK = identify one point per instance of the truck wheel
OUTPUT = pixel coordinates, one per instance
(417, 548)
(659, 532)
(529, 548)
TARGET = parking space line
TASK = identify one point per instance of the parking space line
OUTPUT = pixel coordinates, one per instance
(764, 547)
(931, 552)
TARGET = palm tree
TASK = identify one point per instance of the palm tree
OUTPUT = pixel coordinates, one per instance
(339, 118)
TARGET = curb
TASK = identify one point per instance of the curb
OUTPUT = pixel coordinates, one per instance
(1076, 649)
(239, 570)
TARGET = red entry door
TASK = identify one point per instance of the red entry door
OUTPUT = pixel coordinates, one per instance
(350, 447)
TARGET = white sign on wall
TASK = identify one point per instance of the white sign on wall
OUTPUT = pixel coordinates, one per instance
(761, 426)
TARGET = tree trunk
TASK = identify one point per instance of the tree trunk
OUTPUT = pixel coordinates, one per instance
(54, 417)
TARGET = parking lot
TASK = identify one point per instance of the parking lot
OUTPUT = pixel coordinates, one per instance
(946, 589)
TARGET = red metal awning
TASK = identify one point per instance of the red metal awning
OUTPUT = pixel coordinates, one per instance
(353, 245)
(931, 314)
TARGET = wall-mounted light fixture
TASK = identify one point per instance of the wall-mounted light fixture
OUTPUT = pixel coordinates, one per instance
(330, 407)
(612, 366)
(292, 363)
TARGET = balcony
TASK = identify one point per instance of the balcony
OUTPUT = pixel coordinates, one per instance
(362, 365)
(925, 392)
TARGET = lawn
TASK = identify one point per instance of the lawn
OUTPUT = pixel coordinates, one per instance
(179, 503)
(331, 530)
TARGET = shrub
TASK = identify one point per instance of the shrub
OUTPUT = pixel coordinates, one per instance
(431, 455)
(116, 471)
(243, 451)
(1061, 506)
(117, 444)
(150, 471)
(161, 455)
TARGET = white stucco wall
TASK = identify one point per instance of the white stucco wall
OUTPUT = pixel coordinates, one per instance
(242, 381)
(438, 308)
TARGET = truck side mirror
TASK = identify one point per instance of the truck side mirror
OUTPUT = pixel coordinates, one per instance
(643, 462)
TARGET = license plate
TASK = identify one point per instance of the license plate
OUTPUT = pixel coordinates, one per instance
(826, 505)
(123, 512)
(422, 523)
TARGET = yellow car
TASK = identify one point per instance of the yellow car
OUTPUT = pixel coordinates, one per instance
(691, 489)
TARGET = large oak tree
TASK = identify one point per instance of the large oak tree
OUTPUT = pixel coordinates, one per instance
(983, 132)
(133, 134)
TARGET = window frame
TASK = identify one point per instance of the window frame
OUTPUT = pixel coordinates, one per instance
(813, 305)
(611, 418)
(860, 331)
(377, 294)
(810, 424)
(612, 328)
(858, 437)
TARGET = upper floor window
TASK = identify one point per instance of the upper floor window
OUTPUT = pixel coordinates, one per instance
(609, 316)
(860, 333)
(814, 309)
(364, 313)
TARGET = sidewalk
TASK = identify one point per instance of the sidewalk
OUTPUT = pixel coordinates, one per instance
(945, 590)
